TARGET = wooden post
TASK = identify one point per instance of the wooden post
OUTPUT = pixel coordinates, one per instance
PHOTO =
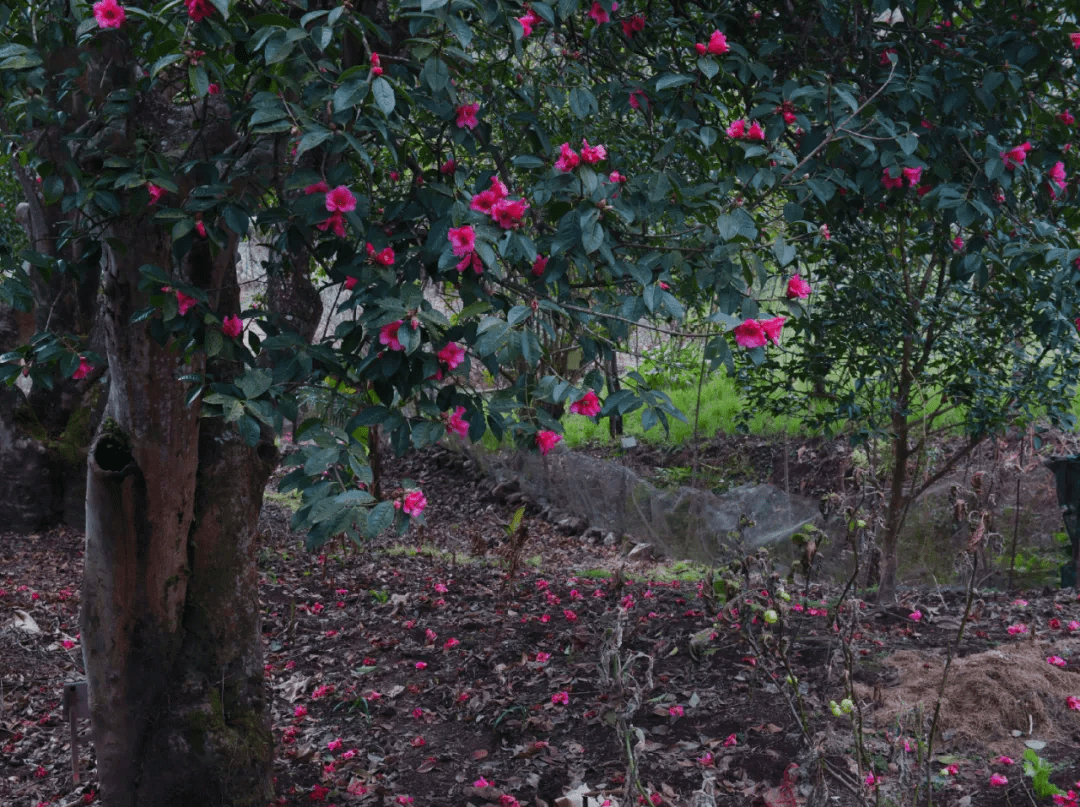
(76, 702)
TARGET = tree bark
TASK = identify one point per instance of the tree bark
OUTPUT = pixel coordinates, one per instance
(895, 511)
(170, 618)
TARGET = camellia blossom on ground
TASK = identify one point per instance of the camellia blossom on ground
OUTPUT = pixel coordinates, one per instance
(998, 780)
(561, 697)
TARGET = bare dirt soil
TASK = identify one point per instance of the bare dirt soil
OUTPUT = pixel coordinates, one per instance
(421, 673)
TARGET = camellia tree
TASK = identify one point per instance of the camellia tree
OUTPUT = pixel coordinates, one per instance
(488, 188)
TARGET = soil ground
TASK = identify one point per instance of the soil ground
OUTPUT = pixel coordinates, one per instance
(422, 672)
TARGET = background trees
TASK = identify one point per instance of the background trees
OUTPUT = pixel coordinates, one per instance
(496, 194)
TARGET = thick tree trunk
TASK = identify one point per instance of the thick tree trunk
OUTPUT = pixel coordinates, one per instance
(170, 604)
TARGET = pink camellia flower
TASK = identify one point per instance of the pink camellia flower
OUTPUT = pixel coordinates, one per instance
(482, 782)
(462, 240)
(1075, 39)
(1057, 661)
(539, 265)
(755, 132)
(890, 182)
(1073, 625)
(635, 102)
(456, 424)
(915, 615)
(430, 636)
(616, 177)
(334, 745)
(452, 355)
(388, 335)
(797, 288)
(185, 303)
(109, 14)
(385, 257)
(466, 116)
(675, 711)
(561, 697)
(588, 405)
(997, 780)
(599, 15)
(451, 643)
(1004, 760)
(772, 328)
(1055, 624)
(1066, 117)
(1020, 603)
(1016, 155)
(953, 769)
(543, 658)
(213, 89)
(592, 154)
(547, 440)
(824, 230)
(232, 326)
(350, 283)
(508, 213)
(730, 741)
(415, 502)
(871, 781)
(200, 228)
(750, 334)
(1072, 703)
(340, 199)
(528, 22)
(376, 65)
(83, 370)
(1015, 630)
(318, 187)
(448, 167)
(568, 158)
(300, 711)
(736, 129)
(634, 25)
(958, 244)
(485, 201)
(701, 48)
(199, 10)
(913, 176)
(1057, 174)
(155, 192)
(718, 45)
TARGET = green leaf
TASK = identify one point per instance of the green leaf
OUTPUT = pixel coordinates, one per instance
(214, 342)
(583, 103)
(254, 383)
(165, 61)
(312, 139)
(384, 95)
(431, 5)
(350, 93)
(222, 6)
(672, 80)
(249, 430)
(379, 519)
(708, 67)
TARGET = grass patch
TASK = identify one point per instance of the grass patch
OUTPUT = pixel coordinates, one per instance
(290, 500)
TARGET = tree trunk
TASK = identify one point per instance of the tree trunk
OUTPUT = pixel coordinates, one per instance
(170, 619)
(895, 511)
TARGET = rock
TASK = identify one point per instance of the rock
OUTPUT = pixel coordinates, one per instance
(571, 525)
(641, 552)
(593, 535)
(610, 539)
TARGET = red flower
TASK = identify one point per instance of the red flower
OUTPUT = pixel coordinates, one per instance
(184, 303)
(568, 158)
(109, 14)
(232, 326)
(340, 199)
(336, 221)
(891, 182)
(415, 502)
(1016, 155)
(448, 167)
(599, 15)
(547, 440)
(155, 192)
(718, 44)
(750, 334)
(384, 258)
(318, 187)
(376, 65)
(456, 424)
(1067, 118)
(772, 328)
(508, 213)
(634, 25)
(199, 10)
(213, 89)
(466, 116)
(539, 265)
(83, 370)
(797, 288)
(200, 228)
(388, 335)
(592, 154)
(588, 405)
(528, 22)
(462, 240)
